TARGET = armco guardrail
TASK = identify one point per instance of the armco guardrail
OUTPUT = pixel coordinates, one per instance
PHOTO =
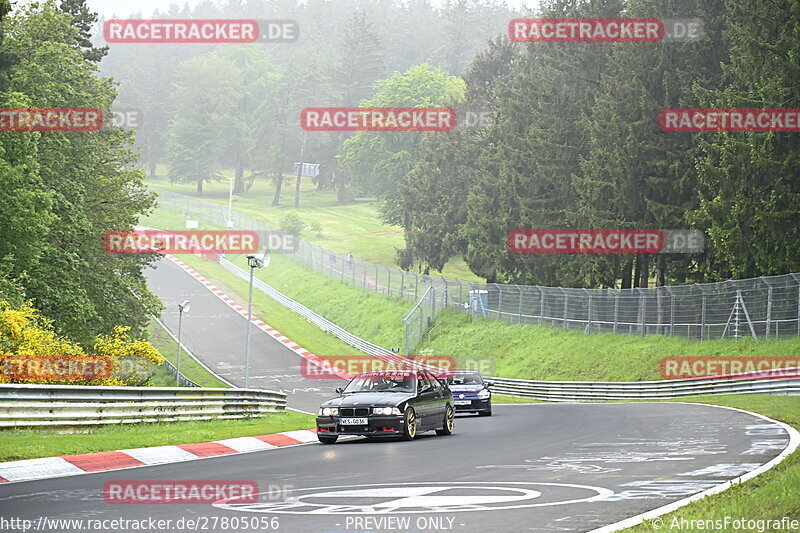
(25, 405)
(571, 391)
(771, 383)
(764, 307)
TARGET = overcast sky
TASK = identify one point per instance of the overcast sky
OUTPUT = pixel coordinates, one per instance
(107, 8)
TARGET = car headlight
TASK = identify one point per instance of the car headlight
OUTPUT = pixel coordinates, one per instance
(484, 394)
(328, 411)
(386, 411)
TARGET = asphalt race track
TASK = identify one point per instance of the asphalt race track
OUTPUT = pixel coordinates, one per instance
(541, 468)
(563, 467)
(215, 333)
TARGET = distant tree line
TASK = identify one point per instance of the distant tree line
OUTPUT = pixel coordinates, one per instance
(208, 107)
(61, 191)
(575, 142)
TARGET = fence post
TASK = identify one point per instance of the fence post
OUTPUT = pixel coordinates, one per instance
(794, 277)
(519, 309)
(769, 306)
(671, 310)
(433, 302)
(541, 305)
(642, 310)
(564, 313)
(421, 326)
(416, 287)
(388, 281)
(402, 284)
(702, 313)
(406, 324)
(376, 278)
(499, 301)
(589, 313)
(616, 309)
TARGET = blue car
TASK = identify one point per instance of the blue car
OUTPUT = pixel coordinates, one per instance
(471, 392)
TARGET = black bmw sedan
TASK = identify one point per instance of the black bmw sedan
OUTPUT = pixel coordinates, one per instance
(386, 404)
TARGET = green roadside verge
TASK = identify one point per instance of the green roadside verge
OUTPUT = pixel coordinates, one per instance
(16, 444)
(525, 351)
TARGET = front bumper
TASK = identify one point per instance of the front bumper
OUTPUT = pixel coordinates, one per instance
(476, 405)
(377, 425)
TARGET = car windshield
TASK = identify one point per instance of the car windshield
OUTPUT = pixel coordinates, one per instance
(383, 383)
(465, 378)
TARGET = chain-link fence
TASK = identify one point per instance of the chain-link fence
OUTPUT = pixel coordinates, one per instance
(766, 307)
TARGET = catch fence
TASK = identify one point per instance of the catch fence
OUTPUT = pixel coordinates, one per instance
(765, 307)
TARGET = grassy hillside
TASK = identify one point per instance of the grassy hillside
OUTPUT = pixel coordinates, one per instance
(352, 228)
(517, 351)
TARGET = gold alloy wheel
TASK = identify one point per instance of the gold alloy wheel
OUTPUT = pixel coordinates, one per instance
(411, 424)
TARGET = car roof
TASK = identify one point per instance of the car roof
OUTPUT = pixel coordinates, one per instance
(392, 373)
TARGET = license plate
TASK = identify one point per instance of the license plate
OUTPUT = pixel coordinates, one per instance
(353, 421)
(462, 402)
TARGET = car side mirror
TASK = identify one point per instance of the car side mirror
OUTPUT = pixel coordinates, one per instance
(426, 388)
(339, 390)
(489, 384)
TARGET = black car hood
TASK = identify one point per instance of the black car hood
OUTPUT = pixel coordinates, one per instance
(369, 399)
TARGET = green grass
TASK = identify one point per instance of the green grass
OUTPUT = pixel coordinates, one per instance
(368, 315)
(352, 228)
(500, 399)
(771, 495)
(542, 352)
(497, 348)
(16, 444)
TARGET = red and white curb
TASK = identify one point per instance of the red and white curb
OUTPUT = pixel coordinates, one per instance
(260, 324)
(70, 465)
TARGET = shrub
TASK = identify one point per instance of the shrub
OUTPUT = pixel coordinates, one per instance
(291, 224)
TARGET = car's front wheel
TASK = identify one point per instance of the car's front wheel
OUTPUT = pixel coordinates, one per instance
(449, 422)
(327, 439)
(410, 425)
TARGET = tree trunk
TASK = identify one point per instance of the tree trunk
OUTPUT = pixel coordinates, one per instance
(238, 180)
(299, 174)
(661, 271)
(276, 200)
(153, 164)
(344, 194)
(200, 187)
(627, 273)
(644, 274)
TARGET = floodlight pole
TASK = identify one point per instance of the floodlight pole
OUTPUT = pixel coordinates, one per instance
(183, 306)
(251, 260)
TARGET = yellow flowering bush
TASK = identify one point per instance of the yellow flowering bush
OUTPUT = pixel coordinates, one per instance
(31, 352)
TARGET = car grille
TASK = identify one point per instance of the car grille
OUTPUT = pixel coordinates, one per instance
(349, 411)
